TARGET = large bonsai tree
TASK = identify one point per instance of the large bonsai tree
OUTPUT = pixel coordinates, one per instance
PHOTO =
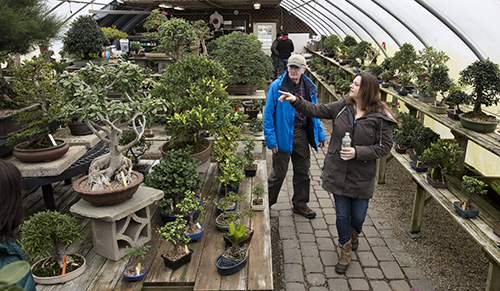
(84, 38)
(174, 35)
(484, 77)
(85, 94)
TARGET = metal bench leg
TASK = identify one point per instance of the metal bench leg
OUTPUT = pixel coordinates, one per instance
(418, 210)
(48, 197)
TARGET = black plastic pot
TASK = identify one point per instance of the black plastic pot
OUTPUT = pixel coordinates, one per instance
(179, 263)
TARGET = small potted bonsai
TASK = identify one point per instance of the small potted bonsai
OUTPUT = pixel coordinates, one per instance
(174, 232)
(402, 135)
(135, 272)
(253, 107)
(255, 126)
(420, 139)
(175, 175)
(443, 158)
(84, 39)
(190, 205)
(227, 209)
(234, 259)
(137, 48)
(484, 77)
(250, 167)
(258, 197)
(470, 186)
(456, 97)
(230, 174)
(49, 233)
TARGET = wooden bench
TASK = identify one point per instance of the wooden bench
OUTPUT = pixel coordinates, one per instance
(200, 273)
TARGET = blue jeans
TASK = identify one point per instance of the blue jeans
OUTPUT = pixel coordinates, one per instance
(351, 212)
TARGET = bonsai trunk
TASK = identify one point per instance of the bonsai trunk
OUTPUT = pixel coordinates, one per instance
(469, 200)
(57, 253)
(477, 105)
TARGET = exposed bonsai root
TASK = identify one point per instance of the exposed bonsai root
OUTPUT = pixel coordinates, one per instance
(105, 167)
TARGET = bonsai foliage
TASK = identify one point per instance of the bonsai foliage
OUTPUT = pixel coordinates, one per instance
(47, 233)
(429, 59)
(408, 125)
(349, 41)
(331, 44)
(443, 158)
(34, 83)
(136, 251)
(84, 38)
(112, 32)
(249, 146)
(242, 56)
(174, 35)
(405, 60)
(189, 205)
(258, 192)
(363, 51)
(203, 31)
(231, 172)
(175, 175)
(138, 149)
(457, 96)
(484, 78)
(136, 47)
(236, 235)
(473, 186)
(25, 24)
(153, 23)
(227, 143)
(175, 232)
(11, 273)
(85, 96)
(421, 138)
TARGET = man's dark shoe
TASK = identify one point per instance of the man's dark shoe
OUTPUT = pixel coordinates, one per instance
(306, 212)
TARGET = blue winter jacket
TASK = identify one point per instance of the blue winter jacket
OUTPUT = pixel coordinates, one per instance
(279, 117)
(11, 252)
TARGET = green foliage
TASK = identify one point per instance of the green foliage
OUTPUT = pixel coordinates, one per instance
(242, 56)
(153, 23)
(84, 38)
(25, 24)
(342, 85)
(136, 47)
(139, 148)
(174, 35)
(34, 83)
(189, 205)
(314, 62)
(473, 186)
(484, 78)
(405, 79)
(112, 32)
(258, 191)
(174, 232)
(437, 81)
(408, 125)
(11, 273)
(255, 125)
(203, 31)
(363, 51)
(349, 41)
(331, 44)
(249, 146)
(136, 251)
(405, 60)
(174, 175)
(375, 70)
(442, 157)
(226, 144)
(236, 235)
(47, 233)
(421, 138)
(231, 171)
(429, 59)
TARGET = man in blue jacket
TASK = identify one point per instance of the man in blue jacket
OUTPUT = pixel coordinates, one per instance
(289, 133)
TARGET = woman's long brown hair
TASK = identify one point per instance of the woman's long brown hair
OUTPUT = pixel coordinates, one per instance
(11, 199)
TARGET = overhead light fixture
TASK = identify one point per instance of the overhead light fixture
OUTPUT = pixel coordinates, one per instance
(256, 5)
(178, 8)
(165, 6)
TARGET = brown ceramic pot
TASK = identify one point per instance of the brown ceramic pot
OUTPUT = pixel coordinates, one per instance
(203, 156)
(40, 155)
(241, 90)
(107, 197)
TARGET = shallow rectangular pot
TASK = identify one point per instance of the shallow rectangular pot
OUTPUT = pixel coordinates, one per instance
(179, 263)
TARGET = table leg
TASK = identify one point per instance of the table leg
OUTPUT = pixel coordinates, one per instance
(418, 210)
(493, 281)
(48, 197)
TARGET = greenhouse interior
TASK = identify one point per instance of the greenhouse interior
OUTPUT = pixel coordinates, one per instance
(146, 145)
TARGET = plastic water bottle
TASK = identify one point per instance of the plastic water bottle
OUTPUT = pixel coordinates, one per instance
(346, 142)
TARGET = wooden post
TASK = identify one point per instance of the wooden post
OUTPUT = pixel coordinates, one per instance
(462, 142)
(382, 164)
(418, 209)
(493, 281)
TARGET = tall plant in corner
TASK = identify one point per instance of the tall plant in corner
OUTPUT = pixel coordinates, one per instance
(84, 38)
(85, 94)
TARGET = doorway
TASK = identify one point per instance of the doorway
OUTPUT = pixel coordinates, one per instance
(266, 33)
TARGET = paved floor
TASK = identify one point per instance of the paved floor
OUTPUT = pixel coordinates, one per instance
(310, 247)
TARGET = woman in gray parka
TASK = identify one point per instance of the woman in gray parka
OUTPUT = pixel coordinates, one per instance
(349, 173)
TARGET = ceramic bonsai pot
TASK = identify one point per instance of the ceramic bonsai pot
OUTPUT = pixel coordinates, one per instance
(203, 156)
(227, 266)
(179, 263)
(483, 127)
(40, 155)
(418, 169)
(61, 278)
(438, 109)
(107, 197)
(241, 89)
(257, 207)
(400, 149)
(79, 129)
(385, 85)
(250, 173)
(234, 190)
(224, 227)
(436, 184)
(465, 213)
(168, 218)
(452, 115)
(135, 278)
(198, 235)
(219, 211)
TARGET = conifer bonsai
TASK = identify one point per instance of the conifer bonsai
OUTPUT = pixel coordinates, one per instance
(84, 38)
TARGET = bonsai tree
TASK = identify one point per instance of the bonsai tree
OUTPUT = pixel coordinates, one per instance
(227, 203)
(472, 186)
(405, 60)
(84, 38)
(405, 80)
(46, 234)
(443, 158)
(189, 205)
(484, 78)
(408, 125)
(174, 232)
(349, 41)
(236, 235)
(174, 35)
(421, 138)
(255, 125)
(249, 146)
(152, 24)
(457, 96)
(112, 32)
(34, 83)
(331, 44)
(242, 56)
(85, 95)
(429, 59)
(227, 144)
(136, 47)
(175, 175)
(258, 193)
(203, 31)
(231, 172)
(132, 253)
(363, 51)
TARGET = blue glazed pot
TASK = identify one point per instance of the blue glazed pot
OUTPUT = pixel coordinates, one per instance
(227, 267)
(465, 213)
(234, 190)
(197, 236)
(134, 278)
(219, 211)
(168, 218)
(418, 169)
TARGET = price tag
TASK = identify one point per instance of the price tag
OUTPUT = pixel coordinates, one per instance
(52, 140)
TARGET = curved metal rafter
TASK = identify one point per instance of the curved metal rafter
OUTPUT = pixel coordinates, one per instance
(298, 12)
(321, 24)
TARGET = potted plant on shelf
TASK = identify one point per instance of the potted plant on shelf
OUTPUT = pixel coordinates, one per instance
(402, 135)
(231, 173)
(420, 139)
(174, 35)
(137, 48)
(135, 272)
(190, 205)
(430, 59)
(484, 77)
(85, 94)
(456, 97)
(470, 186)
(405, 80)
(152, 24)
(229, 213)
(49, 233)
(442, 83)
(85, 40)
(34, 84)
(174, 232)
(442, 157)
(331, 45)
(257, 197)
(253, 107)
(203, 31)
(234, 259)
(175, 175)
(113, 34)
(250, 167)
(136, 151)
(246, 64)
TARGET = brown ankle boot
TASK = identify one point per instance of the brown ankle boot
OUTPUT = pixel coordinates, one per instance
(354, 239)
(345, 258)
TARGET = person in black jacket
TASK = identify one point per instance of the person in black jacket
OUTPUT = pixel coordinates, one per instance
(275, 56)
(285, 49)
